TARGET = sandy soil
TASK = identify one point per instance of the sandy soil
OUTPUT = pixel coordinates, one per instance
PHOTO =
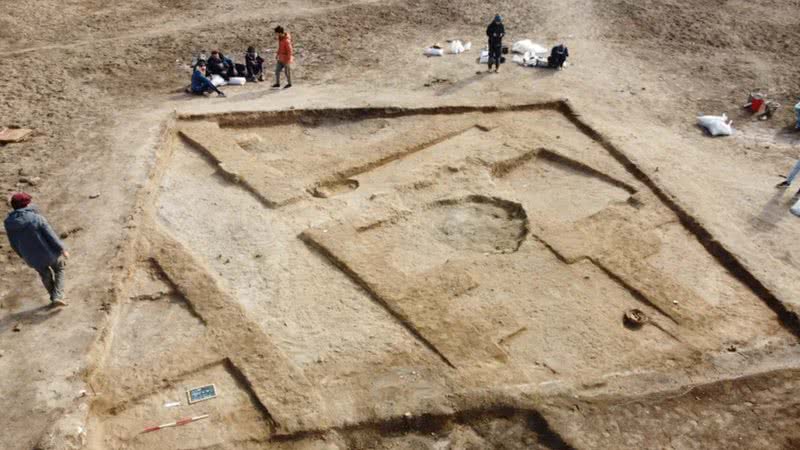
(422, 271)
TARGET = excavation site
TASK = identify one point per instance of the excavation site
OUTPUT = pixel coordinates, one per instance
(450, 275)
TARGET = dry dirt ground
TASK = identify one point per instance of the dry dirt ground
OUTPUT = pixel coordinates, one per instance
(403, 252)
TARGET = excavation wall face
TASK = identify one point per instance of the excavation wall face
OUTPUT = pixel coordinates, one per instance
(352, 271)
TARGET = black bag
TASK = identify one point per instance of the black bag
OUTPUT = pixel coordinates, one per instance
(505, 50)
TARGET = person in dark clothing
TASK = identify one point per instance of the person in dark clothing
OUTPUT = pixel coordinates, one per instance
(220, 65)
(200, 83)
(558, 56)
(495, 32)
(254, 65)
(37, 244)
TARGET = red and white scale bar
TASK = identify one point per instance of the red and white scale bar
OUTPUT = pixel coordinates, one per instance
(177, 423)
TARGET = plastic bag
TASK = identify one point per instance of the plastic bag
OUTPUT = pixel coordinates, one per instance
(526, 45)
(468, 46)
(430, 51)
(716, 125)
(456, 47)
(218, 81)
(237, 81)
(484, 58)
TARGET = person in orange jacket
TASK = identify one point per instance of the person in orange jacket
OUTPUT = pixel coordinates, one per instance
(285, 57)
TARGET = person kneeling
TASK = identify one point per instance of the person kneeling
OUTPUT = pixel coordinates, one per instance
(201, 84)
(558, 56)
(254, 65)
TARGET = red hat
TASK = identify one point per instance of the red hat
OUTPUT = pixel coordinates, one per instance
(20, 200)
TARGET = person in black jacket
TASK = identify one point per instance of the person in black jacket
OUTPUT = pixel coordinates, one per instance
(218, 64)
(495, 31)
(254, 65)
(558, 56)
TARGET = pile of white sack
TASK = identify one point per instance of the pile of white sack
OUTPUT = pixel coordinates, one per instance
(529, 54)
(456, 47)
(716, 125)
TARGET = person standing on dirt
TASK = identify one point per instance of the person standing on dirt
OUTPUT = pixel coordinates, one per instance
(37, 244)
(254, 65)
(495, 31)
(285, 57)
(200, 83)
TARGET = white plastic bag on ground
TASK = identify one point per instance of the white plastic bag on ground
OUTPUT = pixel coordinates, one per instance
(456, 47)
(430, 51)
(237, 81)
(468, 46)
(484, 59)
(526, 45)
(796, 208)
(530, 59)
(218, 81)
(716, 125)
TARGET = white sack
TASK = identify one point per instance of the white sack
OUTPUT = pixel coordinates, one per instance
(484, 59)
(430, 51)
(456, 47)
(217, 80)
(526, 45)
(237, 81)
(716, 125)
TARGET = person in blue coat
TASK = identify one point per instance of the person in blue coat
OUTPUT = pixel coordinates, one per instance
(201, 84)
(38, 245)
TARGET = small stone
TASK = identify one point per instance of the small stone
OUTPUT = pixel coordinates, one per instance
(17, 327)
(94, 196)
(407, 415)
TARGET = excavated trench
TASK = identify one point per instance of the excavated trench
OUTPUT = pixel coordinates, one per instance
(480, 217)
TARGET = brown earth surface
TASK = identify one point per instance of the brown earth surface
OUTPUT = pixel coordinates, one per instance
(404, 252)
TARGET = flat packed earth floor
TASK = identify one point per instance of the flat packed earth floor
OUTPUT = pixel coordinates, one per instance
(403, 252)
